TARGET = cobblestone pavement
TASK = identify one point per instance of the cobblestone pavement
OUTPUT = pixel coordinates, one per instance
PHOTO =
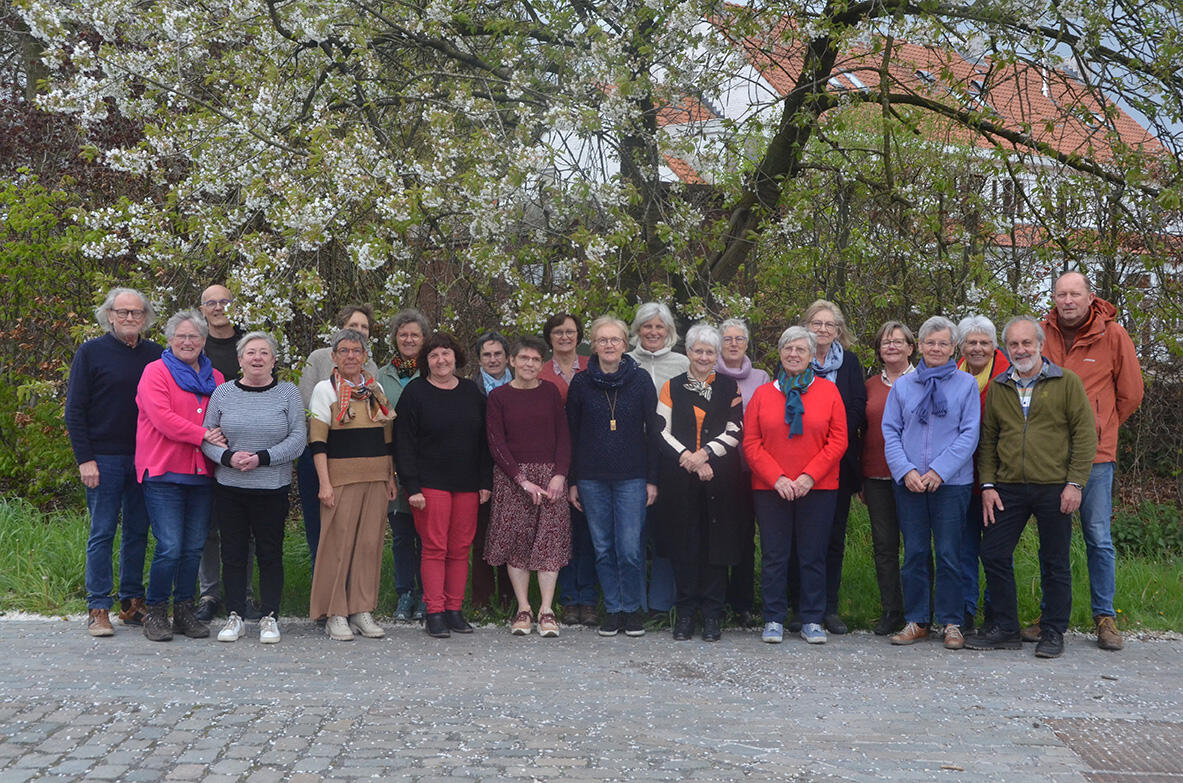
(578, 708)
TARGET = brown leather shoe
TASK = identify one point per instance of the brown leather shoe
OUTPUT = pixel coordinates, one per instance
(590, 617)
(1032, 633)
(954, 640)
(133, 611)
(1108, 637)
(911, 634)
(98, 623)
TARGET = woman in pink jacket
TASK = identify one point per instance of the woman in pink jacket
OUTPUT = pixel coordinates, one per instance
(178, 479)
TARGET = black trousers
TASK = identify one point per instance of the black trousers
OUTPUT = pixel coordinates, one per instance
(239, 515)
(1020, 502)
(835, 554)
(700, 586)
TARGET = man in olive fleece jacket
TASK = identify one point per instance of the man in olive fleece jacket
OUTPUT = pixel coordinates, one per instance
(1035, 452)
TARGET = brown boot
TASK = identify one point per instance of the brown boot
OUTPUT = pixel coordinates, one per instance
(98, 623)
(1032, 633)
(157, 627)
(132, 611)
(1108, 637)
(186, 622)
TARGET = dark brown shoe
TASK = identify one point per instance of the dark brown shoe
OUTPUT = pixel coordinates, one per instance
(157, 628)
(1108, 637)
(98, 623)
(186, 622)
(572, 614)
(589, 616)
(132, 611)
(1032, 633)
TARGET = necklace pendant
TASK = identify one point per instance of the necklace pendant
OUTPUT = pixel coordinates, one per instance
(612, 425)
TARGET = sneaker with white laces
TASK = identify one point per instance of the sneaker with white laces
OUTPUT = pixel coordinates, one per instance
(269, 630)
(337, 627)
(363, 623)
(813, 633)
(774, 633)
(233, 630)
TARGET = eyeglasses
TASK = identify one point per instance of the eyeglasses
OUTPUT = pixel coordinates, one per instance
(128, 315)
(606, 341)
(895, 342)
(829, 326)
(564, 333)
(212, 303)
(342, 350)
(735, 339)
(187, 338)
(703, 352)
(937, 344)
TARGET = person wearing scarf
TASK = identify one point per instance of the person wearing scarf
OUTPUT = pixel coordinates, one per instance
(177, 477)
(350, 437)
(930, 432)
(493, 372)
(408, 330)
(794, 435)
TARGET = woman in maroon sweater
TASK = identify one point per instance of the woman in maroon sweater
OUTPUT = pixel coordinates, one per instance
(530, 527)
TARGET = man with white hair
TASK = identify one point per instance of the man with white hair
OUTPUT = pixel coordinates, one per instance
(101, 418)
(1036, 449)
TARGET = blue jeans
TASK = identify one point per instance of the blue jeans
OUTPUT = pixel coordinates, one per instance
(799, 527)
(180, 522)
(971, 546)
(577, 579)
(662, 592)
(932, 521)
(405, 548)
(117, 489)
(616, 520)
(309, 485)
(1096, 511)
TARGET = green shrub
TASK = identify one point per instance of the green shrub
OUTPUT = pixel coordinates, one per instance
(1150, 530)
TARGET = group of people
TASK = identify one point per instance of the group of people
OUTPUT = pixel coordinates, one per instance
(639, 477)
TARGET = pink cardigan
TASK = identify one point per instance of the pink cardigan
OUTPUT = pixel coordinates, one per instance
(169, 428)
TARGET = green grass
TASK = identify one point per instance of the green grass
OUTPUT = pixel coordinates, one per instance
(43, 559)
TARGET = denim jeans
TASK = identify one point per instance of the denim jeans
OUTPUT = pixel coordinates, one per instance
(932, 522)
(616, 520)
(971, 545)
(117, 489)
(577, 579)
(802, 528)
(309, 485)
(661, 593)
(180, 515)
(1096, 511)
(406, 549)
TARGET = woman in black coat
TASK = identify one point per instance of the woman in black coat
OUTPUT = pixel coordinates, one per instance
(698, 517)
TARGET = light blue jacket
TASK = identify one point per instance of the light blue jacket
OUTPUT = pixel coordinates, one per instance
(946, 443)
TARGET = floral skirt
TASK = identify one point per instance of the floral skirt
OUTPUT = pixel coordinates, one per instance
(523, 535)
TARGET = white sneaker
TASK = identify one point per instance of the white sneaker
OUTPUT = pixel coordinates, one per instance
(337, 627)
(233, 630)
(364, 624)
(268, 630)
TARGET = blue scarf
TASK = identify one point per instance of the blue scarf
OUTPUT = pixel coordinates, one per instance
(794, 387)
(932, 400)
(492, 383)
(200, 382)
(829, 368)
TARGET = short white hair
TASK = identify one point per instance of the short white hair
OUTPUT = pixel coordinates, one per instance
(736, 323)
(795, 333)
(939, 323)
(1039, 334)
(647, 312)
(977, 324)
(192, 316)
(264, 336)
(702, 332)
(102, 313)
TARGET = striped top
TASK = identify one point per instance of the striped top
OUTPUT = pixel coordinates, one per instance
(359, 450)
(268, 421)
(685, 391)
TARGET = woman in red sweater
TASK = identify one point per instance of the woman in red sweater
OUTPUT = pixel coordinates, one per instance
(794, 437)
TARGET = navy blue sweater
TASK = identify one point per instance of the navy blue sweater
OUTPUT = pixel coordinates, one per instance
(598, 452)
(101, 399)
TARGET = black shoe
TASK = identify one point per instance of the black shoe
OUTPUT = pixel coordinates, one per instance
(711, 631)
(157, 628)
(613, 622)
(185, 621)
(889, 623)
(994, 639)
(967, 623)
(633, 624)
(456, 621)
(794, 623)
(207, 608)
(1051, 644)
(684, 628)
(834, 624)
(436, 625)
(252, 611)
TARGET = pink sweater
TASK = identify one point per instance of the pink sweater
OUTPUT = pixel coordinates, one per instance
(169, 427)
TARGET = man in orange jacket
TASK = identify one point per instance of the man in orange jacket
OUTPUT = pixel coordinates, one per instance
(1083, 336)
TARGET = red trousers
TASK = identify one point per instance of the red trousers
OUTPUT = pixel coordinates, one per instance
(446, 525)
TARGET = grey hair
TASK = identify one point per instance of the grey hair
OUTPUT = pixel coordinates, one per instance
(193, 316)
(795, 333)
(492, 336)
(1039, 334)
(265, 336)
(736, 323)
(409, 316)
(702, 332)
(607, 320)
(350, 335)
(939, 323)
(977, 324)
(102, 312)
(649, 311)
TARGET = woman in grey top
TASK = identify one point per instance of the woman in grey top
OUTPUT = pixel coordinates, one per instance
(263, 421)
